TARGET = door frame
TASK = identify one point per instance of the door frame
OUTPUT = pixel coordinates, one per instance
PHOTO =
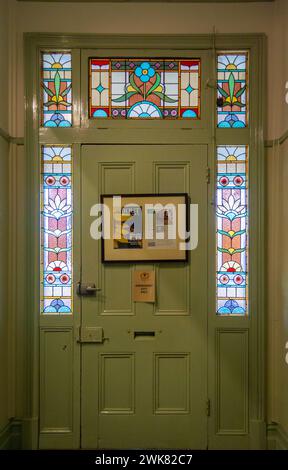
(253, 135)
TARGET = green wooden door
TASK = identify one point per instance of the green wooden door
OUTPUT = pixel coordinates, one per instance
(145, 392)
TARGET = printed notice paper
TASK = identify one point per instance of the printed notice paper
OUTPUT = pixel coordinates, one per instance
(144, 286)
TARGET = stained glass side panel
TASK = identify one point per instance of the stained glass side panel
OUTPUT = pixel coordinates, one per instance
(144, 88)
(232, 230)
(56, 230)
(56, 89)
(190, 88)
(232, 90)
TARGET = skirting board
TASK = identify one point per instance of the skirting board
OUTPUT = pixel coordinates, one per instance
(11, 436)
(277, 438)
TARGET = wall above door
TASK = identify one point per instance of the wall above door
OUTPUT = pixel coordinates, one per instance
(151, 1)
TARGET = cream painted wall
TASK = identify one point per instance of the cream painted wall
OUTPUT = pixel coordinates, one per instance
(270, 18)
(277, 223)
(4, 413)
(277, 226)
(4, 64)
(278, 71)
(283, 320)
(4, 172)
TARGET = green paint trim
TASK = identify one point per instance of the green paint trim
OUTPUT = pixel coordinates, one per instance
(10, 139)
(276, 142)
(277, 437)
(10, 436)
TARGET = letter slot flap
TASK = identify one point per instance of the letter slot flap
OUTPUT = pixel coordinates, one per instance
(91, 334)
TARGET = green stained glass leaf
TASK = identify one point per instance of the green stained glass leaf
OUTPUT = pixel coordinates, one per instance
(222, 232)
(236, 234)
(239, 250)
(124, 97)
(57, 83)
(48, 91)
(155, 85)
(49, 103)
(237, 103)
(222, 250)
(231, 83)
(223, 92)
(132, 81)
(65, 103)
(240, 92)
(164, 97)
(66, 91)
(60, 250)
(240, 232)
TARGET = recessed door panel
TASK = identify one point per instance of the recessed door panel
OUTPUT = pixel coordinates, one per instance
(172, 383)
(117, 383)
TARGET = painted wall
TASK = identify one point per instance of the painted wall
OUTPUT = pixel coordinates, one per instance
(270, 18)
(4, 172)
(277, 223)
(283, 317)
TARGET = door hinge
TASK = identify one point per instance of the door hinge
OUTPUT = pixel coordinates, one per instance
(208, 175)
(208, 407)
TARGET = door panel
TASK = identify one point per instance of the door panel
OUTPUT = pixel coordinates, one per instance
(145, 392)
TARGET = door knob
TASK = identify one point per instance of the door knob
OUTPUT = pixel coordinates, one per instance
(87, 288)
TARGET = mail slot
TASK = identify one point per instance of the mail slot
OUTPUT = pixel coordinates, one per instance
(144, 334)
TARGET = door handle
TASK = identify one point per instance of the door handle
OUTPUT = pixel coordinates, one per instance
(87, 288)
(92, 289)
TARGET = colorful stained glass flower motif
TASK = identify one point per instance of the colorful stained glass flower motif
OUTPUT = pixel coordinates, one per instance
(56, 230)
(232, 230)
(232, 90)
(57, 89)
(144, 89)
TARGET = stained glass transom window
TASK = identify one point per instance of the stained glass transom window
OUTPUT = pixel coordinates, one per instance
(56, 230)
(57, 89)
(232, 89)
(232, 230)
(144, 88)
